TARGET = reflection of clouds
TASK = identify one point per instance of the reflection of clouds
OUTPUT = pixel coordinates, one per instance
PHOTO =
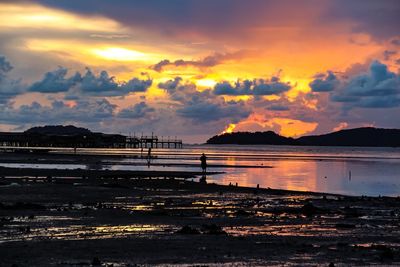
(369, 177)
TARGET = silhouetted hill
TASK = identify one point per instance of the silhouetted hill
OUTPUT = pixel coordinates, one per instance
(247, 138)
(58, 130)
(368, 136)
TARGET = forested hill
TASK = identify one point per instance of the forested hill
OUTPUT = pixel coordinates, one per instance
(58, 130)
(247, 138)
(368, 136)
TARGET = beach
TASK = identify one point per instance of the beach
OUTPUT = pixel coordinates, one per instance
(165, 218)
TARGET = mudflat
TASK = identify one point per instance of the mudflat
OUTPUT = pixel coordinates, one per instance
(167, 220)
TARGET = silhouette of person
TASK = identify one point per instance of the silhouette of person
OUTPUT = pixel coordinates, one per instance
(203, 160)
(149, 157)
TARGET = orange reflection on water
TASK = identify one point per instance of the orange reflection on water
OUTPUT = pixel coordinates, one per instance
(285, 174)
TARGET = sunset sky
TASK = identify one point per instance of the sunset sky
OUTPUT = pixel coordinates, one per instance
(196, 68)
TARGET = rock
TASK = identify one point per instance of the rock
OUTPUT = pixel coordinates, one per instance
(212, 229)
(345, 226)
(242, 213)
(96, 261)
(187, 230)
(386, 255)
(309, 210)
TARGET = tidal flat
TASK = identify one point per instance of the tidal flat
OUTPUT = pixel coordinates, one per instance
(158, 220)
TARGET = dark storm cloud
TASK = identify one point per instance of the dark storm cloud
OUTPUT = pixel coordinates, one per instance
(170, 85)
(104, 85)
(203, 106)
(324, 82)
(378, 18)
(379, 88)
(206, 111)
(88, 84)
(9, 88)
(136, 111)
(58, 112)
(278, 108)
(55, 82)
(5, 67)
(207, 62)
(256, 87)
(387, 54)
(182, 91)
(379, 102)
(395, 41)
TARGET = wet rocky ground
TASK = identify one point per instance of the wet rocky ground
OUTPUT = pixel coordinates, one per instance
(128, 222)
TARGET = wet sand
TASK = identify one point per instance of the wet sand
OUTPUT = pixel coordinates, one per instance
(160, 219)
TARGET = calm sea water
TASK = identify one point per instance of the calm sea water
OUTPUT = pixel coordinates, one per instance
(344, 170)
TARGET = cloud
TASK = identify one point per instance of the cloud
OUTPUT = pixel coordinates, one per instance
(252, 87)
(182, 91)
(170, 85)
(9, 88)
(379, 88)
(104, 85)
(87, 84)
(324, 82)
(395, 41)
(278, 108)
(204, 106)
(92, 111)
(377, 18)
(206, 111)
(207, 62)
(55, 82)
(387, 54)
(136, 111)
(223, 18)
(5, 67)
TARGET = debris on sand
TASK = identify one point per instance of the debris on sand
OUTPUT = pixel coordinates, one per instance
(96, 261)
(22, 206)
(212, 229)
(187, 230)
(345, 226)
(309, 210)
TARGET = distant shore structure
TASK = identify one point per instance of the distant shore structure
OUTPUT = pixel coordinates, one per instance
(153, 142)
(71, 136)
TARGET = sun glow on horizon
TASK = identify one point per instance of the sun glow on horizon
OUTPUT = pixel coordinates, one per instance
(229, 129)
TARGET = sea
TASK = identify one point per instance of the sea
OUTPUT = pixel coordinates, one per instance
(343, 170)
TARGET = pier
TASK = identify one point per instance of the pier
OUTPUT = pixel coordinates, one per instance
(92, 140)
(153, 142)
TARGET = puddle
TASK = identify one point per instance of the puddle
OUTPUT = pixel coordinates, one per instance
(79, 232)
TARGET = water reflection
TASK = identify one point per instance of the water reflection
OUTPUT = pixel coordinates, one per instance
(367, 177)
(344, 170)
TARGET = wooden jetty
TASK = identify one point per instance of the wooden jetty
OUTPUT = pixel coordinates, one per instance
(153, 142)
(92, 140)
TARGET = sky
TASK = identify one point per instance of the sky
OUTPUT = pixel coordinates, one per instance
(194, 69)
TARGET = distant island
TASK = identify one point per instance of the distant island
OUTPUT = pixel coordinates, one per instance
(58, 130)
(362, 137)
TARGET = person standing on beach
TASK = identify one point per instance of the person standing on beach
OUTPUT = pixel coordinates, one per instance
(203, 160)
(149, 157)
